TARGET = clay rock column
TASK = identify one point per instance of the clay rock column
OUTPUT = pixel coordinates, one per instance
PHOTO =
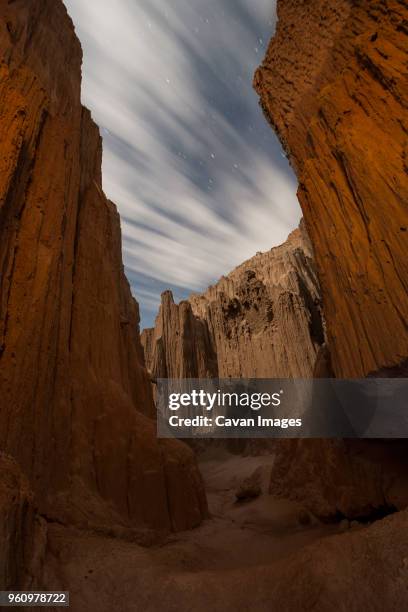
(333, 85)
(76, 405)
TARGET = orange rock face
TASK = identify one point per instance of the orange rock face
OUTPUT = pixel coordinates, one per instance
(333, 85)
(75, 396)
(262, 320)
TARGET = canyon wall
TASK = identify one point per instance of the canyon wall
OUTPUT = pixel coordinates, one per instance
(22, 532)
(334, 87)
(262, 320)
(75, 396)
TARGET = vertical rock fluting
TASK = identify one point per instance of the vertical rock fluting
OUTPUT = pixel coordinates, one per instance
(261, 320)
(75, 395)
(179, 346)
(334, 86)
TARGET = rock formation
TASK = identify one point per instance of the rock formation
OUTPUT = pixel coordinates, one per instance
(75, 396)
(77, 442)
(180, 345)
(333, 85)
(262, 320)
(22, 547)
(357, 479)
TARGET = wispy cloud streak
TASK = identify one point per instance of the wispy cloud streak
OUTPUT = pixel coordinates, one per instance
(197, 174)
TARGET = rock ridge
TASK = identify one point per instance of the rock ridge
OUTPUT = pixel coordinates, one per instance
(262, 320)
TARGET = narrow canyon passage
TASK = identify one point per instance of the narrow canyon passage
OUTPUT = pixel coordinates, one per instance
(255, 552)
(92, 500)
(242, 539)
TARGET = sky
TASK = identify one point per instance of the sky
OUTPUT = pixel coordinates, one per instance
(199, 178)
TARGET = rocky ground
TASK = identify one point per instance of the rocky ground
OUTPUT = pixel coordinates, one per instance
(254, 551)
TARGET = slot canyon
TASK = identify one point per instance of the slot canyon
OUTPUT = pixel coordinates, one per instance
(91, 500)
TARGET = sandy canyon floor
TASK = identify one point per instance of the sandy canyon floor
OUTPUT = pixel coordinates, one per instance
(227, 563)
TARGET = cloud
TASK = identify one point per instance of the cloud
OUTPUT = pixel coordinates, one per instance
(199, 178)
